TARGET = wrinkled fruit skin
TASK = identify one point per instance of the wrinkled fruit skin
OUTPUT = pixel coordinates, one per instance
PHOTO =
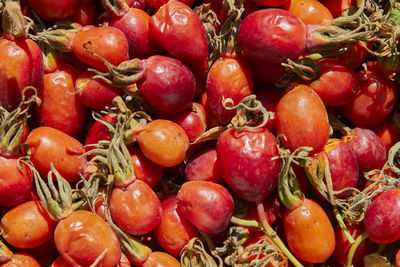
(245, 162)
(272, 35)
(169, 85)
(207, 205)
(368, 148)
(85, 231)
(180, 32)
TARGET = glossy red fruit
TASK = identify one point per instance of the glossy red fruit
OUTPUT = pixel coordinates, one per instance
(15, 183)
(144, 169)
(54, 10)
(27, 225)
(245, 161)
(135, 25)
(303, 119)
(309, 233)
(337, 84)
(136, 208)
(108, 42)
(381, 218)
(61, 108)
(168, 86)
(94, 93)
(161, 259)
(140, 4)
(368, 148)
(272, 35)
(85, 231)
(203, 166)
(375, 101)
(343, 245)
(21, 65)
(192, 120)
(207, 205)
(174, 230)
(309, 11)
(229, 77)
(51, 146)
(180, 32)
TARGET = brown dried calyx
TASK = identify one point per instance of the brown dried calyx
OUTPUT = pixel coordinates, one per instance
(225, 40)
(12, 123)
(123, 75)
(116, 8)
(250, 113)
(15, 27)
(59, 37)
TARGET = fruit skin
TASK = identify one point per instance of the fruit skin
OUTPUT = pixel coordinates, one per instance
(169, 85)
(368, 148)
(343, 245)
(21, 259)
(136, 209)
(27, 225)
(309, 11)
(177, 29)
(303, 119)
(21, 65)
(163, 142)
(108, 42)
(337, 84)
(61, 108)
(245, 162)
(381, 220)
(229, 77)
(135, 25)
(203, 166)
(309, 233)
(272, 35)
(94, 93)
(85, 231)
(48, 145)
(15, 183)
(375, 101)
(161, 259)
(343, 165)
(54, 10)
(207, 205)
(174, 230)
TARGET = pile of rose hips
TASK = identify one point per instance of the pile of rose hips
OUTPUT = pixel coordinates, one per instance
(199, 133)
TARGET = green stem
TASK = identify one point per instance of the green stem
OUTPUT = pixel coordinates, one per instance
(242, 222)
(272, 234)
(343, 225)
(354, 247)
